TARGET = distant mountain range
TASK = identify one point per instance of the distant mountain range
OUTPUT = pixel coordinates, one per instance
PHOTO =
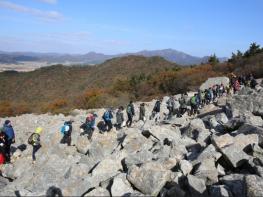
(172, 55)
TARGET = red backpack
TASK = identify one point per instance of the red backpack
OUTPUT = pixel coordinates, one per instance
(2, 158)
(90, 117)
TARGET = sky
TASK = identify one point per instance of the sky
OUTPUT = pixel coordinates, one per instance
(196, 27)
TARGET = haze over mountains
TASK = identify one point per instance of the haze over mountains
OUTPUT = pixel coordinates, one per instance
(172, 55)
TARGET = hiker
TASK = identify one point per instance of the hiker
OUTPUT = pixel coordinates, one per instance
(142, 112)
(34, 140)
(119, 118)
(9, 132)
(253, 83)
(211, 94)
(88, 126)
(207, 96)
(130, 113)
(156, 111)
(221, 90)
(214, 88)
(183, 104)
(170, 106)
(66, 131)
(236, 86)
(193, 102)
(203, 98)
(3, 141)
(107, 116)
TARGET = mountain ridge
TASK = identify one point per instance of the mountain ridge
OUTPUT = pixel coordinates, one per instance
(92, 57)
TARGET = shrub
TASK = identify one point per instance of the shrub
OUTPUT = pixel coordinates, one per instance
(90, 99)
(6, 109)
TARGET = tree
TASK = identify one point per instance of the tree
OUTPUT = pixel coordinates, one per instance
(236, 57)
(253, 50)
(213, 60)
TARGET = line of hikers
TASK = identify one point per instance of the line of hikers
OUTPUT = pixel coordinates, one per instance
(190, 105)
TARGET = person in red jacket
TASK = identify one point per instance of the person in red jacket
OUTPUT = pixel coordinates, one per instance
(3, 142)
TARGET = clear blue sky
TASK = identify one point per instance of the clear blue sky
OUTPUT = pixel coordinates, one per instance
(197, 27)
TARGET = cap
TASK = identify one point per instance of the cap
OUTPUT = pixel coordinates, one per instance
(39, 130)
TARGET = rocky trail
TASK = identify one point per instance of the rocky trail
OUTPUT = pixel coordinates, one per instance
(217, 153)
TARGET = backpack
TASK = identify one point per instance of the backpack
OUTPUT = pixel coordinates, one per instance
(193, 100)
(30, 139)
(106, 115)
(64, 129)
(129, 109)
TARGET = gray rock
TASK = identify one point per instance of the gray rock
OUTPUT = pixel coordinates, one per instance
(251, 129)
(209, 152)
(3, 182)
(107, 168)
(254, 185)
(259, 171)
(138, 158)
(149, 178)
(197, 131)
(220, 191)
(185, 166)
(214, 81)
(221, 118)
(162, 152)
(207, 171)
(246, 103)
(232, 147)
(221, 170)
(236, 184)
(83, 144)
(120, 186)
(98, 192)
(196, 186)
(258, 153)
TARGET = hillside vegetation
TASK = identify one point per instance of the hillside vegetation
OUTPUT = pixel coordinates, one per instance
(58, 89)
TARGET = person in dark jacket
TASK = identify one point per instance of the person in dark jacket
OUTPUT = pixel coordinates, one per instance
(36, 143)
(107, 116)
(253, 83)
(119, 118)
(142, 112)
(130, 113)
(67, 133)
(9, 132)
(170, 106)
(156, 110)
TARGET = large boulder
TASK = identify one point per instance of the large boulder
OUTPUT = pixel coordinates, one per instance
(196, 186)
(207, 171)
(254, 185)
(251, 129)
(106, 169)
(210, 82)
(186, 167)
(83, 144)
(149, 178)
(232, 147)
(138, 158)
(197, 131)
(121, 186)
(246, 104)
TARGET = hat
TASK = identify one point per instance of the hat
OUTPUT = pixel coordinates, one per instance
(7, 122)
(39, 130)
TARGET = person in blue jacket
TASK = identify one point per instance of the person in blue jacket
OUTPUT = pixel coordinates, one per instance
(9, 131)
(107, 116)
